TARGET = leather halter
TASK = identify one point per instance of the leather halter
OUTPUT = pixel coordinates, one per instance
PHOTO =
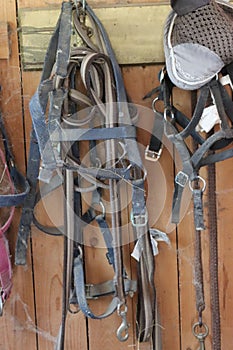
(172, 119)
(215, 147)
(17, 183)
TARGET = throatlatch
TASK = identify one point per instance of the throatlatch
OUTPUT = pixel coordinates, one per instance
(87, 107)
(198, 54)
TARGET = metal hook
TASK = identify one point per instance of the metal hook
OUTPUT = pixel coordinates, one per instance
(200, 335)
(122, 331)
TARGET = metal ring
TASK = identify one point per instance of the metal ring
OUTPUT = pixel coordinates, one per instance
(103, 208)
(200, 179)
(101, 205)
(76, 309)
(153, 104)
(120, 307)
(200, 334)
(80, 251)
(168, 111)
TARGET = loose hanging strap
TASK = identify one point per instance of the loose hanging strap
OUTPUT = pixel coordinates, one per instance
(213, 252)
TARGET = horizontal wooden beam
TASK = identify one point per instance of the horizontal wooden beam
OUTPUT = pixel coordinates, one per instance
(136, 33)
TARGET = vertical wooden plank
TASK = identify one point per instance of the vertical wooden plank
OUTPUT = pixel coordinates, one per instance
(139, 81)
(48, 259)
(48, 251)
(17, 326)
(225, 244)
(4, 39)
(185, 246)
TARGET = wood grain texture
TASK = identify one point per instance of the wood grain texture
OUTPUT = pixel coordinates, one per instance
(4, 41)
(186, 250)
(51, 3)
(225, 246)
(139, 81)
(17, 327)
(185, 246)
(130, 37)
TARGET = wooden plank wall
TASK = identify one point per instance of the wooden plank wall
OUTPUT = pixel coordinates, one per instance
(33, 313)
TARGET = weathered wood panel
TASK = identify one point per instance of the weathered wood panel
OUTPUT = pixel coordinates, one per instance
(225, 244)
(17, 326)
(159, 199)
(20, 328)
(5, 44)
(130, 35)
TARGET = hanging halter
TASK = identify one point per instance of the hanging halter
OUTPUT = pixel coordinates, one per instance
(198, 38)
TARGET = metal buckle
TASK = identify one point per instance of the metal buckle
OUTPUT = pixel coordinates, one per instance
(181, 179)
(143, 217)
(153, 156)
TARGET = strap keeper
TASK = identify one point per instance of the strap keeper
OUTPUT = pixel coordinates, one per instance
(153, 156)
(226, 80)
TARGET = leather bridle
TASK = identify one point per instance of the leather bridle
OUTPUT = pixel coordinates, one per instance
(89, 78)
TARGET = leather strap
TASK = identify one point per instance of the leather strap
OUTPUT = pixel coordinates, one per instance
(134, 158)
(40, 145)
(81, 293)
(5, 264)
(154, 149)
(87, 134)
